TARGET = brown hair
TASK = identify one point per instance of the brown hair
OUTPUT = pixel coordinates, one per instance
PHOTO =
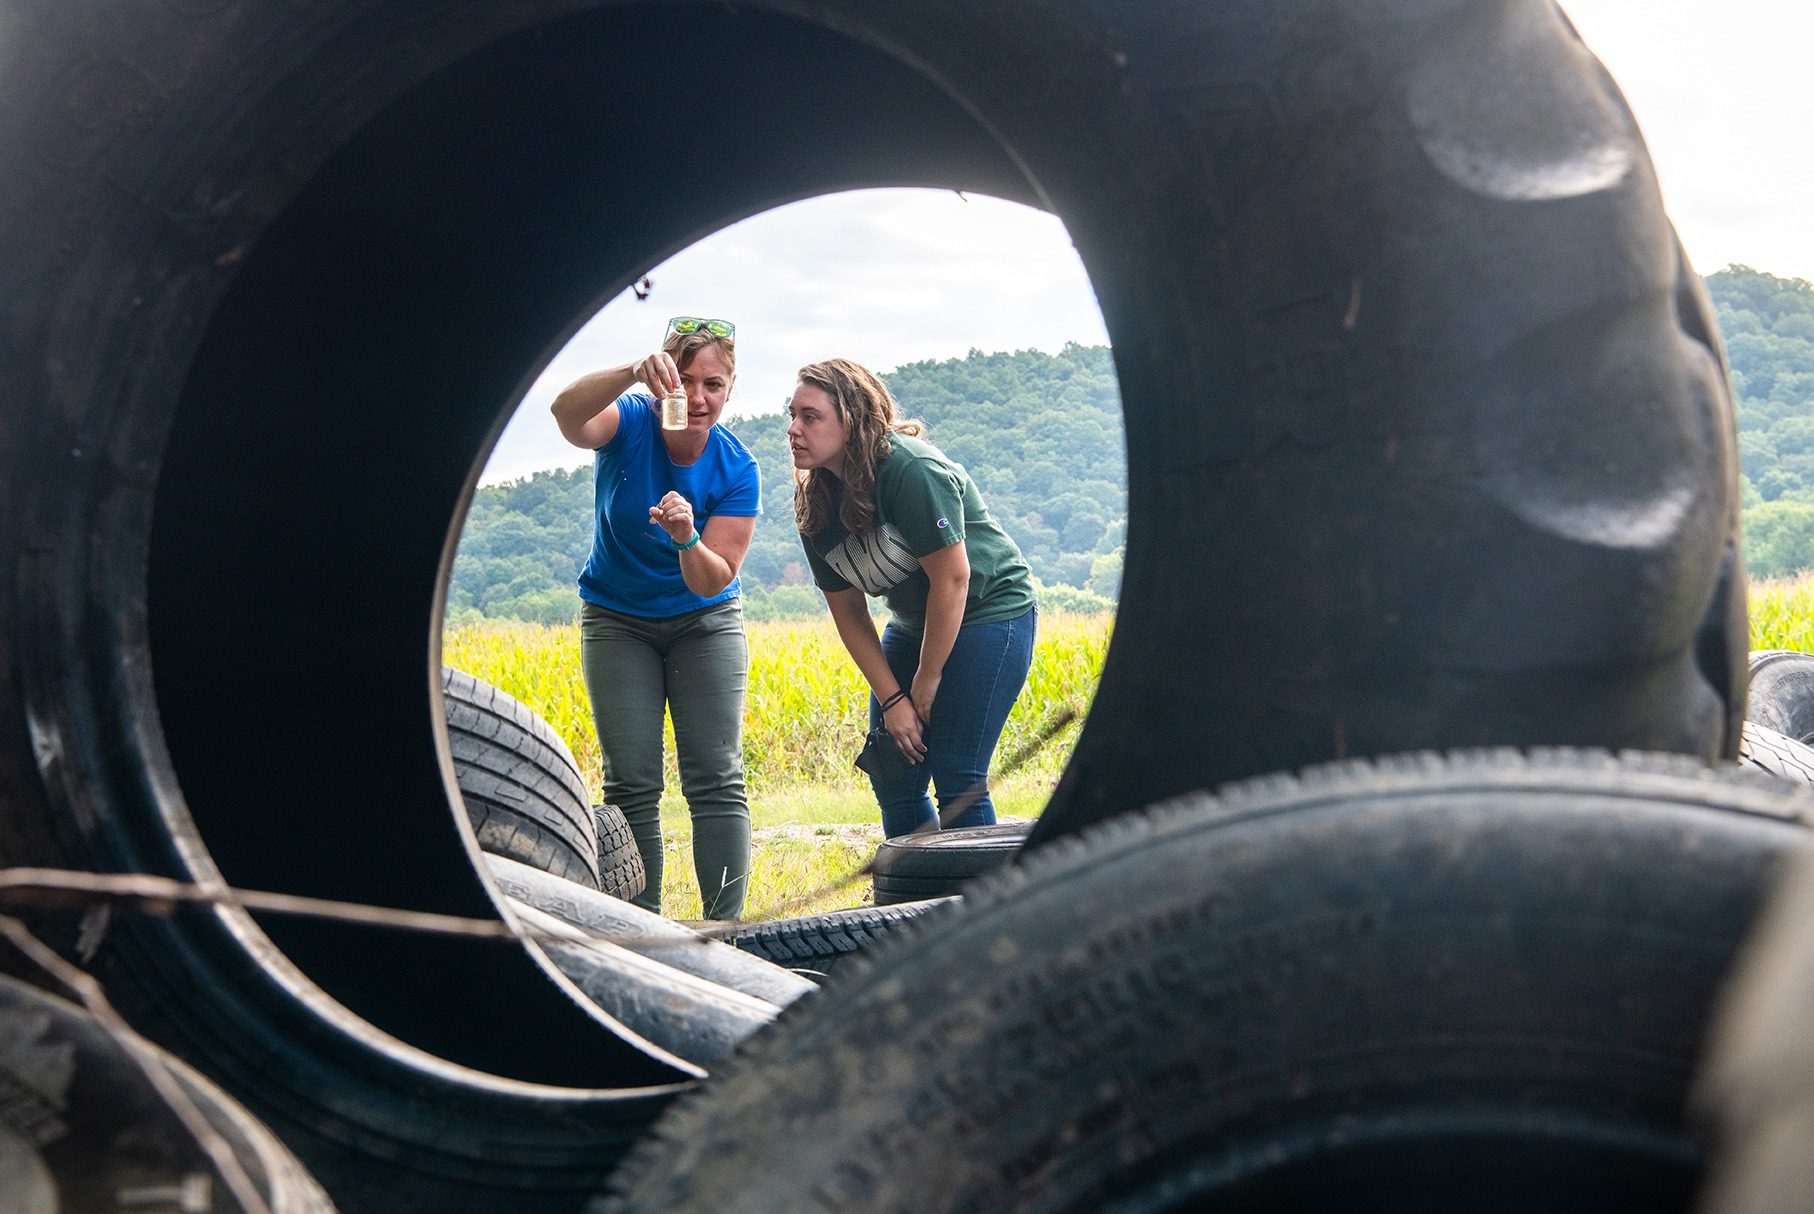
(684, 347)
(870, 414)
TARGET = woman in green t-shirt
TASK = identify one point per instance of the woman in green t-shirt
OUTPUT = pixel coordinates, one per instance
(883, 512)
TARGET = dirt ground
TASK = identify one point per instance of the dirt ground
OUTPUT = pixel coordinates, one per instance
(843, 832)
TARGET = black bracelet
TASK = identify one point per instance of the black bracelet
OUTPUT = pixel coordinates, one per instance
(894, 699)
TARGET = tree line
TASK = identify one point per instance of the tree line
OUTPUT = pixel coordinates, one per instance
(1768, 326)
(1041, 434)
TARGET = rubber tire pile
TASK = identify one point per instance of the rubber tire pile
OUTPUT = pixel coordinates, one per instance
(1432, 500)
(938, 865)
(524, 794)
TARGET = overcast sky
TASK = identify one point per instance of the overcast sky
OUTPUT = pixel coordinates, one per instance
(1721, 92)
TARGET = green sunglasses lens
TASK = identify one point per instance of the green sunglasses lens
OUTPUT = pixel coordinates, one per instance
(687, 325)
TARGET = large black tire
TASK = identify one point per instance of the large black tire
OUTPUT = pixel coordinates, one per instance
(1428, 441)
(82, 1126)
(1781, 692)
(937, 864)
(1478, 982)
(523, 790)
(816, 944)
(1759, 1083)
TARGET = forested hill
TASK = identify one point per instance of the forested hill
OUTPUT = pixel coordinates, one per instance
(1041, 433)
(1768, 326)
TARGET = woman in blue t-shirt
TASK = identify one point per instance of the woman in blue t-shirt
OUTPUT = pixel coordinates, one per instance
(883, 512)
(661, 623)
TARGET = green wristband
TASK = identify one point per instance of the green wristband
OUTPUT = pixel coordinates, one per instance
(688, 544)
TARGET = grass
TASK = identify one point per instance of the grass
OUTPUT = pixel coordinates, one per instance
(807, 849)
(804, 721)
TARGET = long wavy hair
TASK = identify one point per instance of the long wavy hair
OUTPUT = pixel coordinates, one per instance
(870, 414)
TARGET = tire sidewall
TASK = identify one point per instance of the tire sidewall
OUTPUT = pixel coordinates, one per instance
(1781, 693)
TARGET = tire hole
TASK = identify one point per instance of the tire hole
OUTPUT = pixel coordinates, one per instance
(920, 280)
(326, 436)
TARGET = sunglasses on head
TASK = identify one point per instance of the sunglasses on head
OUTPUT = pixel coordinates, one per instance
(685, 326)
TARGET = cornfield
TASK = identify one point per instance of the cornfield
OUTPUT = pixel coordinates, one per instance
(1782, 613)
(807, 706)
(807, 703)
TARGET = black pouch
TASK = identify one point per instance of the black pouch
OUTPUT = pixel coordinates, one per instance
(880, 758)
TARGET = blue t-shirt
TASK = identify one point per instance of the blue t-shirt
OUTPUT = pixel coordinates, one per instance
(633, 568)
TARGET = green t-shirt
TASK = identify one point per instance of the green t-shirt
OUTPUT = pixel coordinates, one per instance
(924, 502)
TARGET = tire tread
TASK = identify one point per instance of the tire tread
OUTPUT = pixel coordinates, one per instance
(520, 783)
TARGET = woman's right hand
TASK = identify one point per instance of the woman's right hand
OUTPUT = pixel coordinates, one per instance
(658, 373)
(906, 728)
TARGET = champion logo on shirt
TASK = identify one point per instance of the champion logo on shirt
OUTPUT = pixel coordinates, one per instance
(944, 523)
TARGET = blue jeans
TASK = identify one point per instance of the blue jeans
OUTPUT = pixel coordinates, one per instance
(985, 672)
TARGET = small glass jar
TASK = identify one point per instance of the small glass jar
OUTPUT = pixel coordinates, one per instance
(674, 411)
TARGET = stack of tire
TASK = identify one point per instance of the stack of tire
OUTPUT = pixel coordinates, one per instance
(566, 867)
(1430, 450)
(937, 865)
(524, 794)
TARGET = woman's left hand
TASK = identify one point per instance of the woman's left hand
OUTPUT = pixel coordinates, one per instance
(925, 690)
(674, 515)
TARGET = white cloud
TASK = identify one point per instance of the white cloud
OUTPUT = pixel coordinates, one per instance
(1721, 94)
(883, 276)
